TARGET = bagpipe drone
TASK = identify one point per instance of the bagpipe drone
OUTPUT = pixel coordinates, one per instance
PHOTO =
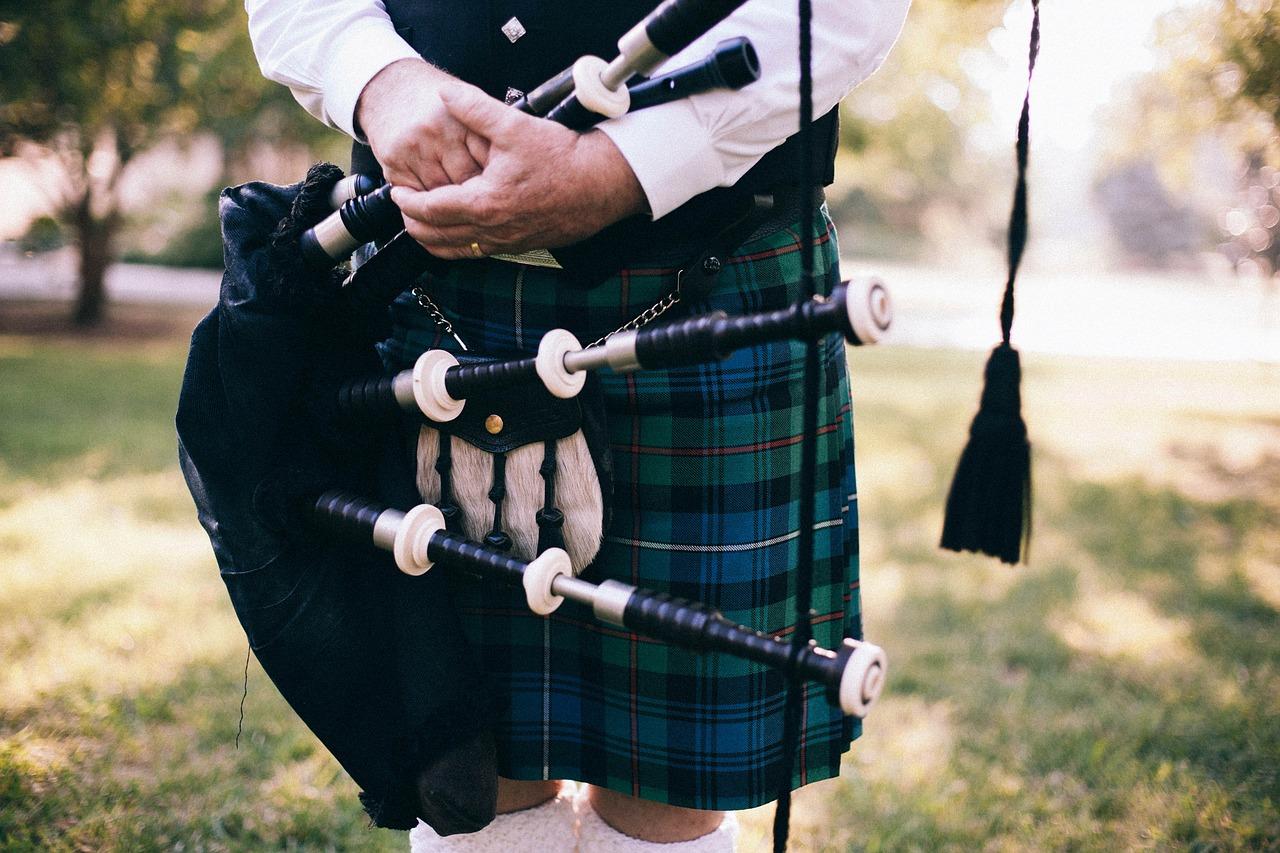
(287, 500)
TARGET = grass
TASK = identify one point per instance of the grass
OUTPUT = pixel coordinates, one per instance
(1121, 691)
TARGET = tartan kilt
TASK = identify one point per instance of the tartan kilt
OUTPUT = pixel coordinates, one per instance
(706, 464)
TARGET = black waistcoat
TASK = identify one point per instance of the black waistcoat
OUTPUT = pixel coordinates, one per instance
(466, 38)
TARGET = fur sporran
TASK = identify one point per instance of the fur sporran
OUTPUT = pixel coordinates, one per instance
(521, 470)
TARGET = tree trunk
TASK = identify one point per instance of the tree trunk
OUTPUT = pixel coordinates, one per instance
(95, 236)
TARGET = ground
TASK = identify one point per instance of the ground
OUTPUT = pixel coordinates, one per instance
(1120, 691)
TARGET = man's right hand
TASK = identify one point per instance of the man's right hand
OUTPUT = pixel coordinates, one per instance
(417, 141)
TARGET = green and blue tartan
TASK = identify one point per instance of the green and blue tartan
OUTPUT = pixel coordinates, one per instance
(705, 506)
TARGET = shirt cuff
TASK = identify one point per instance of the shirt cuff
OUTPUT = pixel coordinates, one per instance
(670, 151)
(364, 49)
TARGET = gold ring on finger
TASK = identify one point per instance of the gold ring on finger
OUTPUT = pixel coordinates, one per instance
(476, 251)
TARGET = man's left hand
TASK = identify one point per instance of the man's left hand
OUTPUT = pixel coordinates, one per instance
(541, 186)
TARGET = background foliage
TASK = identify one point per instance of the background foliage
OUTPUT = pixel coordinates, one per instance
(908, 160)
(89, 87)
(1192, 160)
(1213, 104)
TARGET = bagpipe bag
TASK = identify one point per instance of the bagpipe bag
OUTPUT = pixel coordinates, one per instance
(372, 661)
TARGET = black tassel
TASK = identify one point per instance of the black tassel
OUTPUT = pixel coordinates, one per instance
(289, 278)
(497, 538)
(550, 520)
(989, 506)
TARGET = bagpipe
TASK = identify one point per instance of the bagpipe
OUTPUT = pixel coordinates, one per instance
(438, 386)
(286, 542)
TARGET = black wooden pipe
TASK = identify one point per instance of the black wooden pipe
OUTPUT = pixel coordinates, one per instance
(714, 336)
(664, 617)
(466, 380)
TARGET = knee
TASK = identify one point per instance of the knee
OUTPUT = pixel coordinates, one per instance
(649, 820)
(516, 795)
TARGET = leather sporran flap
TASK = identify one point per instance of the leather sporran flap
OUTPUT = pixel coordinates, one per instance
(521, 470)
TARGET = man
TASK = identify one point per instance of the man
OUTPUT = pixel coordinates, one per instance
(707, 458)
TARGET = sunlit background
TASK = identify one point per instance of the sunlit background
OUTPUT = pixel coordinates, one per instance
(1119, 691)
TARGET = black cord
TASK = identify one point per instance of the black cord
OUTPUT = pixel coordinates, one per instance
(808, 446)
(1018, 216)
(245, 695)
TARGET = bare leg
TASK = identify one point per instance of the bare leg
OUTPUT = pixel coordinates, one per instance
(516, 795)
(647, 820)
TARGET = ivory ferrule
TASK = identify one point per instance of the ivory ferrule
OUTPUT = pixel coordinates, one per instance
(862, 679)
(402, 388)
(870, 309)
(348, 188)
(385, 528)
(333, 236)
(595, 93)
(553, 369)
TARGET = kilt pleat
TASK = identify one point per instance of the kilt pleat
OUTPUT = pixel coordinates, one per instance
(705, 506)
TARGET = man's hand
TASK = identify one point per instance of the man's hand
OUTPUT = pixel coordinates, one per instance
(539, 185)
(417, 141)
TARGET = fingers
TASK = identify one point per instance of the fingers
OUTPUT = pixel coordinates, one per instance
(466, 204)
(474, 227)
(405, 163)
(401, 176)
(458, 165)
(451, 241)
(455, 249)
(435, 238)
(479, 148)
(426, 146)
(463, 155)
(479, 113)
(426, 169)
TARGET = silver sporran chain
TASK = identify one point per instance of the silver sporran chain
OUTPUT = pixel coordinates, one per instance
(644, 318)
(433, 311)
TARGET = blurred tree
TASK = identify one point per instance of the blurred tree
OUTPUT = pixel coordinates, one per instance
(1152, 227)
(92, 85)
(1249, 34)
(1248, 82)
(1215, 96)
(907, 132)
(44, 234)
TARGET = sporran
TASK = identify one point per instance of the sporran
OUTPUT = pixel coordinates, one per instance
(519, 469)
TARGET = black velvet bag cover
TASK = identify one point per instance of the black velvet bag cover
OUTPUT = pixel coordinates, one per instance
(373, 661)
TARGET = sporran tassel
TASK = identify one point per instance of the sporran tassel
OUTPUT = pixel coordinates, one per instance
(989, 505)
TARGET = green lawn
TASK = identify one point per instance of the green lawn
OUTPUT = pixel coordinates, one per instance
(1121, 691)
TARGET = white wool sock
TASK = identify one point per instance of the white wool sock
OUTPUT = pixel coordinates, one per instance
(596, 836)
(548, 828)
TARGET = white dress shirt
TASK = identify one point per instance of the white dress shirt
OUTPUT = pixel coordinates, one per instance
(326, 51)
